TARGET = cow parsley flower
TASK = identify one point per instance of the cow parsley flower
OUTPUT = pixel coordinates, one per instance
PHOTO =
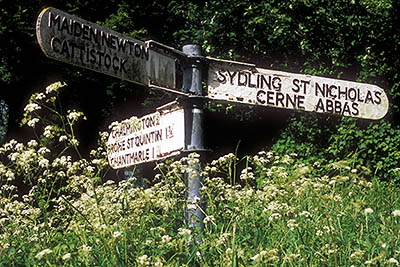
(31, 107)
(43, 253)
(31, 123)
(66, 256)
(74, 115)
(54, 87)
(368, 211)
(396, 213)
(116, 234)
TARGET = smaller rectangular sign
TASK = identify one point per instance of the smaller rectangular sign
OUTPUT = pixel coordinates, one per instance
(152, 137)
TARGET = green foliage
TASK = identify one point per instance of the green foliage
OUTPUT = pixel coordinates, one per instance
(306, 136)
(280, 210)
(3, 119)
(375, 145)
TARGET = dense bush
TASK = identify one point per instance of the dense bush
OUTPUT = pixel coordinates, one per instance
(374, 145)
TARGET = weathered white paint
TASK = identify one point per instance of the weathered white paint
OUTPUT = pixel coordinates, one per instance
(247, 84)
(73, 40)
(152, 137)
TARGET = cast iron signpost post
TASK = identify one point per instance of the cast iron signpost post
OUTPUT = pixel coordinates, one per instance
(178, 126)
(193, 104)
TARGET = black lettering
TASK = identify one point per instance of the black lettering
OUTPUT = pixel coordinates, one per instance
(276, 82)
(259, 96)
(329, 106)
(338, 107)
(92, 56)
(121, 45)
(115, 63)
(54, 20)
(318, 88)
(300, 102)
(64, 25)
(305, 83)
(80, 48)
(100, 54)
(113, 41)
(107, 61)
(356, 112)
(270, 97)
(122, 65)
(131, 47)
(342, 93)
(138, 51)
(296, 83)
(231, 76)
(346, 109)
(105, 39)
(158, 135)
(369, 98)
(352, 94)
(85, 32)
(64, 49)
(290, 100)
(378, 96)
(93, 35)
(298, 86)
(359, 99)
(279, 99)
(77, 29)
(267, 82)
(221, 77)
(55, 44)
(331, 92)
(320, 106)
(251, 85)
(240, 75)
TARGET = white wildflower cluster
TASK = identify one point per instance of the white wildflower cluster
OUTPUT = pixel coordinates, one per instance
(54, 87)
(32, 123)
(74, 115)
(266, 256)
(222, 164)
(368, 211)
(262, 158)
(43, 253)
(31, 107)
(49, 131)
(143, 260)
(247, 174)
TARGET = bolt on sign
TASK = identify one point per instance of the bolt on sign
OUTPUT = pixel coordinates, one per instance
(79, 42)
(152, 137)
(244, 83)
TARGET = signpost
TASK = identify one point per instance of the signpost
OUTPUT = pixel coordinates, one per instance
(153, 137)
(244, 83)
(173, 128)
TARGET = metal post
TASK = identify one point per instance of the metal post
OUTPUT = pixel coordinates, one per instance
(194, 134)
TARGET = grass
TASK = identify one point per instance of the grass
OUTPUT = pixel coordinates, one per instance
(281, 213)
